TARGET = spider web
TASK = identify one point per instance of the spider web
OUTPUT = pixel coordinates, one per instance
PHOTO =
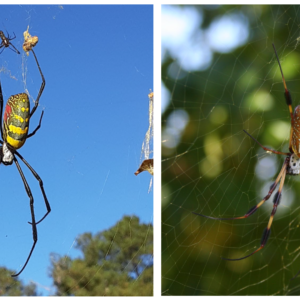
(87, 123)
(220, 76)
(147, 146)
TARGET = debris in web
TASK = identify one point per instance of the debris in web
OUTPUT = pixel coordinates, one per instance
(147, 165)
(29, 41)
(147, 147)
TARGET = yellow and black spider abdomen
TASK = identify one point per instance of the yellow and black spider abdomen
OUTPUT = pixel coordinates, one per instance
(16, 120)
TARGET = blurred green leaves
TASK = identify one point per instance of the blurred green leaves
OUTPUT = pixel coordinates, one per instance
(212, 168)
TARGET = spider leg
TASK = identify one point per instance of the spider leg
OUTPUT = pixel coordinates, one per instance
(38, 178)
(41, 88)
(265, 148)
(267, 230)
(254, 208)
(2, 46)
(37, 128)
(16, 50)
(288, 99)
(1, 109)
(11, 38)
(34, 230)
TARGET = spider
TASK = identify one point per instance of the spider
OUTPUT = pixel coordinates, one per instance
(291, 166)
(14, 134)
(6, 42)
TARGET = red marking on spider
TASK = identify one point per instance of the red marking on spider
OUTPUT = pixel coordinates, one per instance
(7, 112)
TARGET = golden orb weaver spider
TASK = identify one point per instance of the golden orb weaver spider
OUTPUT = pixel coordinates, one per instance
(14, 134)
(291, 166)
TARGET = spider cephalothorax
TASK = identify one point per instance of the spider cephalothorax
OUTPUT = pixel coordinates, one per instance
(7, 156)
(294, 165)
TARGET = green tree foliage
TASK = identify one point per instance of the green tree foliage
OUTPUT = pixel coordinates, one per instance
(116, 262)
(13, 286)
(212, 170)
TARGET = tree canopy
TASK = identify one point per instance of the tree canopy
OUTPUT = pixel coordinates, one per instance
(114, 262)
(10, 286)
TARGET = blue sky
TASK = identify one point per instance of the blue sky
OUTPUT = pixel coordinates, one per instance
(98, 66)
